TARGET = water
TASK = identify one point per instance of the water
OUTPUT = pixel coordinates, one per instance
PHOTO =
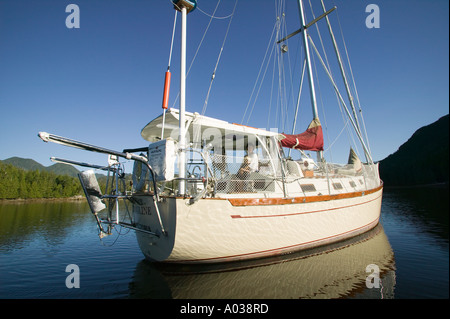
(416, 223)
(410, 248)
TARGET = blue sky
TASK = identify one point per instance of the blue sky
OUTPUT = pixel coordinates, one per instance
(103, 82)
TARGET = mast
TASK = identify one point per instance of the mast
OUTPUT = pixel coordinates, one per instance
(312, 90)
(304, 27)
(182, 131)
(185, 7)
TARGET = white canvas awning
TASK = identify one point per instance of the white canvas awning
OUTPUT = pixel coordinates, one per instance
(202, 129)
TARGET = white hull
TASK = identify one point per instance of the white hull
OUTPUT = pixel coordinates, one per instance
(221, 230)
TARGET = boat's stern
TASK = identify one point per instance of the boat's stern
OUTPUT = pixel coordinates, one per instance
(157, 237)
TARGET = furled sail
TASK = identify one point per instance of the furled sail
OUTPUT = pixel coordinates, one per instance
(310, 140)
(354, 160)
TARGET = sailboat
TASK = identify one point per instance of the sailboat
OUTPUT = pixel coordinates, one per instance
(209, 191)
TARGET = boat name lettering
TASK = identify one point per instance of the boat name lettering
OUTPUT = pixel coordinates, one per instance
(145, 210)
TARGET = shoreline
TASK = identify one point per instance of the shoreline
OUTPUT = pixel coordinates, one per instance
(441, 184)
(37, 200)
(81, 197)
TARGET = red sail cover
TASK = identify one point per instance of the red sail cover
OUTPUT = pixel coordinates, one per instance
(310, 140)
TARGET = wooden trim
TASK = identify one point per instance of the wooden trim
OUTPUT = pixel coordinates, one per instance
(282, 201)
(297, 200)
(307, 212)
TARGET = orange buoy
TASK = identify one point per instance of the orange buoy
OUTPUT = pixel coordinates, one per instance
(165, 102)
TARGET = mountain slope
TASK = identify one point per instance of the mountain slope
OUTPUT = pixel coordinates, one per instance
(31, 165)
(423, 159)
(24, 163)
(63, 169)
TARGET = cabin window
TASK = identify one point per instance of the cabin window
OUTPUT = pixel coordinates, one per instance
(352, 184)
(308, 187)
(337, 186)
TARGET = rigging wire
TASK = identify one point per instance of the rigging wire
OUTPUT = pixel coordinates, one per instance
(279, 60)
(350, 134)
(271, 96)
(171, 42)
(354, 82)
(337, 137)
(259, 74)
(333, 82)
(198, 48)
(280, 78)
(321, 99)
(288, 98)
(167, 78)
(291, 68)
(345, 120)
(283, 99)
(329, 70)
(281, 113)
(218, 58)
(214, 17)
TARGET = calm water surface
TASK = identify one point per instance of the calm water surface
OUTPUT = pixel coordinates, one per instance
(410, 247)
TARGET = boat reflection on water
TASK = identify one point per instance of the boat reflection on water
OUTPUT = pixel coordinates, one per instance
(333, 271)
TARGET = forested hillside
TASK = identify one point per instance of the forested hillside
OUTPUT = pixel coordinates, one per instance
(423, 159)
(19, 183)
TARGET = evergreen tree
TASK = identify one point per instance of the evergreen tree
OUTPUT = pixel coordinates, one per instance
(18, 183)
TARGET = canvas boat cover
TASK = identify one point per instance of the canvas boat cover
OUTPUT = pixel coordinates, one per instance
(310, 140)
(200, 127)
